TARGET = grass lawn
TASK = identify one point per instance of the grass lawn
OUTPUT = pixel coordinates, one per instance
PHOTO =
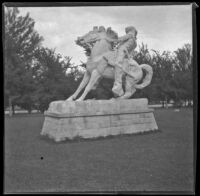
(158, 161)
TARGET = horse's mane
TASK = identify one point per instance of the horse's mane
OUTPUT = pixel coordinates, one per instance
(111, 33)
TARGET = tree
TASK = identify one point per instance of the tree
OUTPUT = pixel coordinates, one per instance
(55, 77)
(172, 78)
(21, 41)
(163, 69)
(160, 88)
(142, 56)
(183, 73)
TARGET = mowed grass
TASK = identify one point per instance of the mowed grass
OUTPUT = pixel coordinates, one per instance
(158, 161)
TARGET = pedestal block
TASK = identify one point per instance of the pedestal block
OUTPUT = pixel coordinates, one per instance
(97, 118)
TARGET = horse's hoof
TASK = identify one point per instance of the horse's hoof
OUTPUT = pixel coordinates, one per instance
(119, 98)
(112, 99)
(70, 99)
(117, 91)
(79, 100)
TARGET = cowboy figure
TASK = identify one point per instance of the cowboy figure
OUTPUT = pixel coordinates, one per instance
(127, 44)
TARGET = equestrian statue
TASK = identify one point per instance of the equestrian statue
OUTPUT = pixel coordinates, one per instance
(112, 57)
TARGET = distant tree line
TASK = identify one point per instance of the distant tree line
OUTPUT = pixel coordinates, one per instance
(34, 75)
(172, 79)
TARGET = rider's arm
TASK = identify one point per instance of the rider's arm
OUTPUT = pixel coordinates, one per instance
(125, 37)
(111, 40)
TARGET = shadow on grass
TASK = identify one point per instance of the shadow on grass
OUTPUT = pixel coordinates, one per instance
(81, 139)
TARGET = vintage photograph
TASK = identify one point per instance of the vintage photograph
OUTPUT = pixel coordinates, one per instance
(99, 98)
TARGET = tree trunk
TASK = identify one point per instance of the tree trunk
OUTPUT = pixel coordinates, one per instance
(185, 103)
(13, 109)
(163, 104)
(10, 107)
(166, 103)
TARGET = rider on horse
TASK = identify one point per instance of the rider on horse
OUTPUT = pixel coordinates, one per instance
(127, 44)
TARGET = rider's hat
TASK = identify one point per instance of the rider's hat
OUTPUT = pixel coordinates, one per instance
(131, 28)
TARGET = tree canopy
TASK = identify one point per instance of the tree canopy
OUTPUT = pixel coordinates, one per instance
(34, 75)
(51, 77)
(21, 41)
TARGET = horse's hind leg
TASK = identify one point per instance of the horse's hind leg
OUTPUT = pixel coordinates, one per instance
(129, 88)
(127, 94)
(93, 79)
(83, 83)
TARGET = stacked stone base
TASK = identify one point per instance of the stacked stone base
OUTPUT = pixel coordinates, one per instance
(97, 118)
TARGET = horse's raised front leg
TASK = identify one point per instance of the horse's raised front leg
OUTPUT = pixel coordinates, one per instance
(93, 79)
(83, 83)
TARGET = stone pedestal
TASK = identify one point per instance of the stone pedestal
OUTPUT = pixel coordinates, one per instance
(97, 118)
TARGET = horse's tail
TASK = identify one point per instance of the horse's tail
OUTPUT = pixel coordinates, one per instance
(147, 79)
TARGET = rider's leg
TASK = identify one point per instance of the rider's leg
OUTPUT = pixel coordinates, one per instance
(93, 79)
(117, 87)
(83, 83)
(120, 57)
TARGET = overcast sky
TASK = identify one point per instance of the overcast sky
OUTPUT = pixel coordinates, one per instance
(160, 27)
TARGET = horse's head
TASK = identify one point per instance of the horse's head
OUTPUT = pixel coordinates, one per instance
(87, 38)
(93, 35)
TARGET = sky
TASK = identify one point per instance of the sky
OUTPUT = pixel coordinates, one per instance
(160, 27)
